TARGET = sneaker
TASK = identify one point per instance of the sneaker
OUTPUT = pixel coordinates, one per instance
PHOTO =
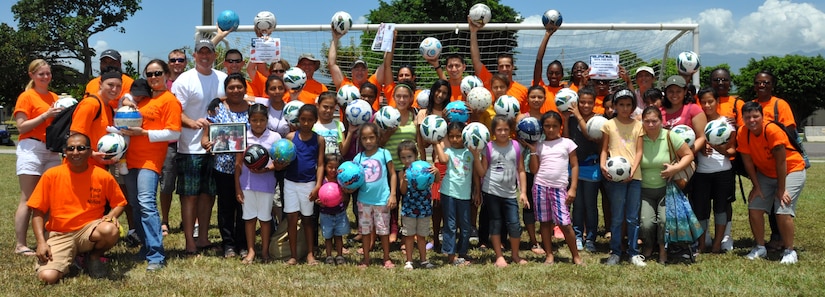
(590, 246)
(727, 243)
(638, 260)
(613, 260)
(427, 265)
(789, 257)
(195, 233)
(132, 239)
(579, 245)
(229, 253)
(473, 235)
(758, 252)
(408, 266)
(152, 267)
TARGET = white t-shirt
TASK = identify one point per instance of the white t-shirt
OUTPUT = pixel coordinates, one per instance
(333, 134)
(194, 91)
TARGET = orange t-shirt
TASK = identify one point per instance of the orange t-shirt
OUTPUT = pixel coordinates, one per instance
(785, 114)
(759, 148)
(515, 89)
(456, 94)
(257, 85)
(72, 199)
(83, 120)
(33, 104)
(598, 106)
(549, 97)
(312, 89)
(162, 112)
(730, 107)
(93, 87)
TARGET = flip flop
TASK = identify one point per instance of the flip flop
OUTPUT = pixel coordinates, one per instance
(25, 251)
(248, 261)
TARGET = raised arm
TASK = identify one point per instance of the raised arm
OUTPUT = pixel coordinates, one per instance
(332, 60)
(538, 67)
(475, 53)
(384, 73)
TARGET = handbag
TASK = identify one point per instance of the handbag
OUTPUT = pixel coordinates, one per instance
(681, 224)
(682, 177)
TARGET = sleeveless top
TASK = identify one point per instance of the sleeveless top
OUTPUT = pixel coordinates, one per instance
(303, 168)
(404, 132)
(587, 152)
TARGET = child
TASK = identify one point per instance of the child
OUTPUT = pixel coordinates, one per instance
(416, 208)
(303, 180)
(535, 100)
(334, 221)
(456, 188)
(328, 127)
(551, 195)
(653, 97)
(622, 137)
(254, 187)
(504, 180)
(585, 211)
(377, 196)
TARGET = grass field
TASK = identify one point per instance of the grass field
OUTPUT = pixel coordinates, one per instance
(209, 275)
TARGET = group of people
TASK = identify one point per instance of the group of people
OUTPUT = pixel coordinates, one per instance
(478, 192)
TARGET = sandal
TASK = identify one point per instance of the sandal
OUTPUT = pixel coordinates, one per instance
(25, 251)
(291, 262)
(329, 261)
(248, 261)
(388, 264)
(537, 249)
(460, 262)
(340, 260)
(164, 228)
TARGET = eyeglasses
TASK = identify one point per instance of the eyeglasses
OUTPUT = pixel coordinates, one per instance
(177, 60)
(721, 80)
(150, 74)
(763, 82)
(602, 82)
(79, 148)
(278, 71)
(234, 61)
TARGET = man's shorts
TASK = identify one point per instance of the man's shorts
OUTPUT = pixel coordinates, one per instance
(194, 175)
(169, 173)
(65, 246)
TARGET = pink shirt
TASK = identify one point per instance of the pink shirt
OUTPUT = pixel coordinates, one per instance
(554, 157)
(683, 116)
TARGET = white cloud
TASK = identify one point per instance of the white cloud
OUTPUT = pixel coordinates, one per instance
(361, 20)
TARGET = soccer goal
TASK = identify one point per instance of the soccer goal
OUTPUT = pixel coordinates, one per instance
(636, 44)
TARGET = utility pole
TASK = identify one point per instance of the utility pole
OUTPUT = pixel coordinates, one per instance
(208, 7)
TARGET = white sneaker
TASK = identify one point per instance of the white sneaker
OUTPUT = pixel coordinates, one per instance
(408, 266)
(757, 252)
(579, 245)
(638, 260)
(789, 257)
(727, 243)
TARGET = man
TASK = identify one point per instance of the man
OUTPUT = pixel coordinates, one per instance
(505, 66)
(455, 72)
(312, 89)
(359, 71)
(233, 63)
(74, 196)
(110, 59)
(177, 64)
(168, 176)
(777, 170)
(195, 88)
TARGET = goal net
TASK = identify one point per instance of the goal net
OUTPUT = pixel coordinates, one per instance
(637, 44)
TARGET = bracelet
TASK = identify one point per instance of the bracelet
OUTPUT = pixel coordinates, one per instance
(437, 67)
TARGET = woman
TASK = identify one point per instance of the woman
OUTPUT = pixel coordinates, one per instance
(578, 75)
(657, 168)
(161, 113)
(677, 110)
(585, 211)
(440, 94)
(715, 173)
(33, 112)
(275, 90)
(230, 219)
(555, 74)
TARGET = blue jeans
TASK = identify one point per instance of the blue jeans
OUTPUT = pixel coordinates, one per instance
(502, 212)
(585, 210)
(625, 204)
(455, 210)
(141, 191)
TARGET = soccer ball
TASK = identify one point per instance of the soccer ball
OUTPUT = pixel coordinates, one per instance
(350, 175)
(718, 132)
(686, 132)
(480, 14)
(255, 157)
(330, 195)
(388, 117)
(551, 18)
(341, 22)
(127, 116)
(594, 126)
(291, 111)
(347, 94)
(468, 83)
(430, 48)
(529, 129)
(433, 128)
(112, 144)
(283, 151)
(423, 99)
(65, 101)
(508, 106)
(687, 63)
(475, 135)
(419, 175)
(295, 78)
(265, 22)
(228, 20)
(479, 98)
(565, 98)
(358, 112)
(457, 111)
(619, 168)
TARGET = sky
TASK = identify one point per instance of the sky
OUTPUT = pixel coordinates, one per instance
(745, 28)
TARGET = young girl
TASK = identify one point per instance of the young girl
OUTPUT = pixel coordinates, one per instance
(254, 187)
(377, 196)
(440, 94)
(504, 179)
(456, 190)
(334, 221)
(303, 180)
(328, 127)
(416, 207)
(275, 89)
(535, 100)
(585, 211)
(552, 194)
(622, 137)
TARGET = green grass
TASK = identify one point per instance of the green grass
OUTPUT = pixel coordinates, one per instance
(728, 274)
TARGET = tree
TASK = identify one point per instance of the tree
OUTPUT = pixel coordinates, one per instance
(705, 72)
(798, 80)
(130, 70)
(65, 26)
(16, 48)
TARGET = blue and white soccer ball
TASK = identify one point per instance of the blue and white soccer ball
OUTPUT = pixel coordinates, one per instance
(479, 98)
(529, 129)
(346, 94)
(457, 111)
(291, 111)
(358, 112)
(295, 78)
(686, 132)
(551, 18)
(718, 132)
(475, 135)
(423, 99)
(433, 128)
(687, 63)
(388, 117)
(468, 83)
(507, 106)
(430, 48)
(565, 98)
(619, 168)
(228, 20)
(112, 144)
(283, 151)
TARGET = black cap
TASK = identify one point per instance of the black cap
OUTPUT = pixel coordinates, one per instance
(112, 73)
(111, 54)
(141, 88)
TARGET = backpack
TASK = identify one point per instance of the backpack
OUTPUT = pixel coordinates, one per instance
(58, 131)
(793, 140)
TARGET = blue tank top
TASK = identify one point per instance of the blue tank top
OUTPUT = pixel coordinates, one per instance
(303, 169)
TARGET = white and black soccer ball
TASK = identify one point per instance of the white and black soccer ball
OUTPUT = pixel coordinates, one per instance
(687, 63)
(718, 132)
(265, 21)
(686, 132)
(619, 168)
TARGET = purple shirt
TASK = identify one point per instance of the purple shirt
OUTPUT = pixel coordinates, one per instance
(259, 182)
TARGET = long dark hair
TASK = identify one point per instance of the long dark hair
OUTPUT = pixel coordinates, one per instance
(437, 85)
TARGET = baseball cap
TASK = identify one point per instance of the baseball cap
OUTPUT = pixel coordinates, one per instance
(308, 56)
(675, 80)
(141, 88)
(111, 54)
(204, 43)
(646, 69)
(359, 61)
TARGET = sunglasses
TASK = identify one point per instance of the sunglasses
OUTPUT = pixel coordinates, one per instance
(79, 148)
(721, 80)
(279, 71)
(177, 60)
(602, 82)
(234, 61)
(150, 74)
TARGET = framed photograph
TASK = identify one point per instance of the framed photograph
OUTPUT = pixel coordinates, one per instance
(228, 138)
